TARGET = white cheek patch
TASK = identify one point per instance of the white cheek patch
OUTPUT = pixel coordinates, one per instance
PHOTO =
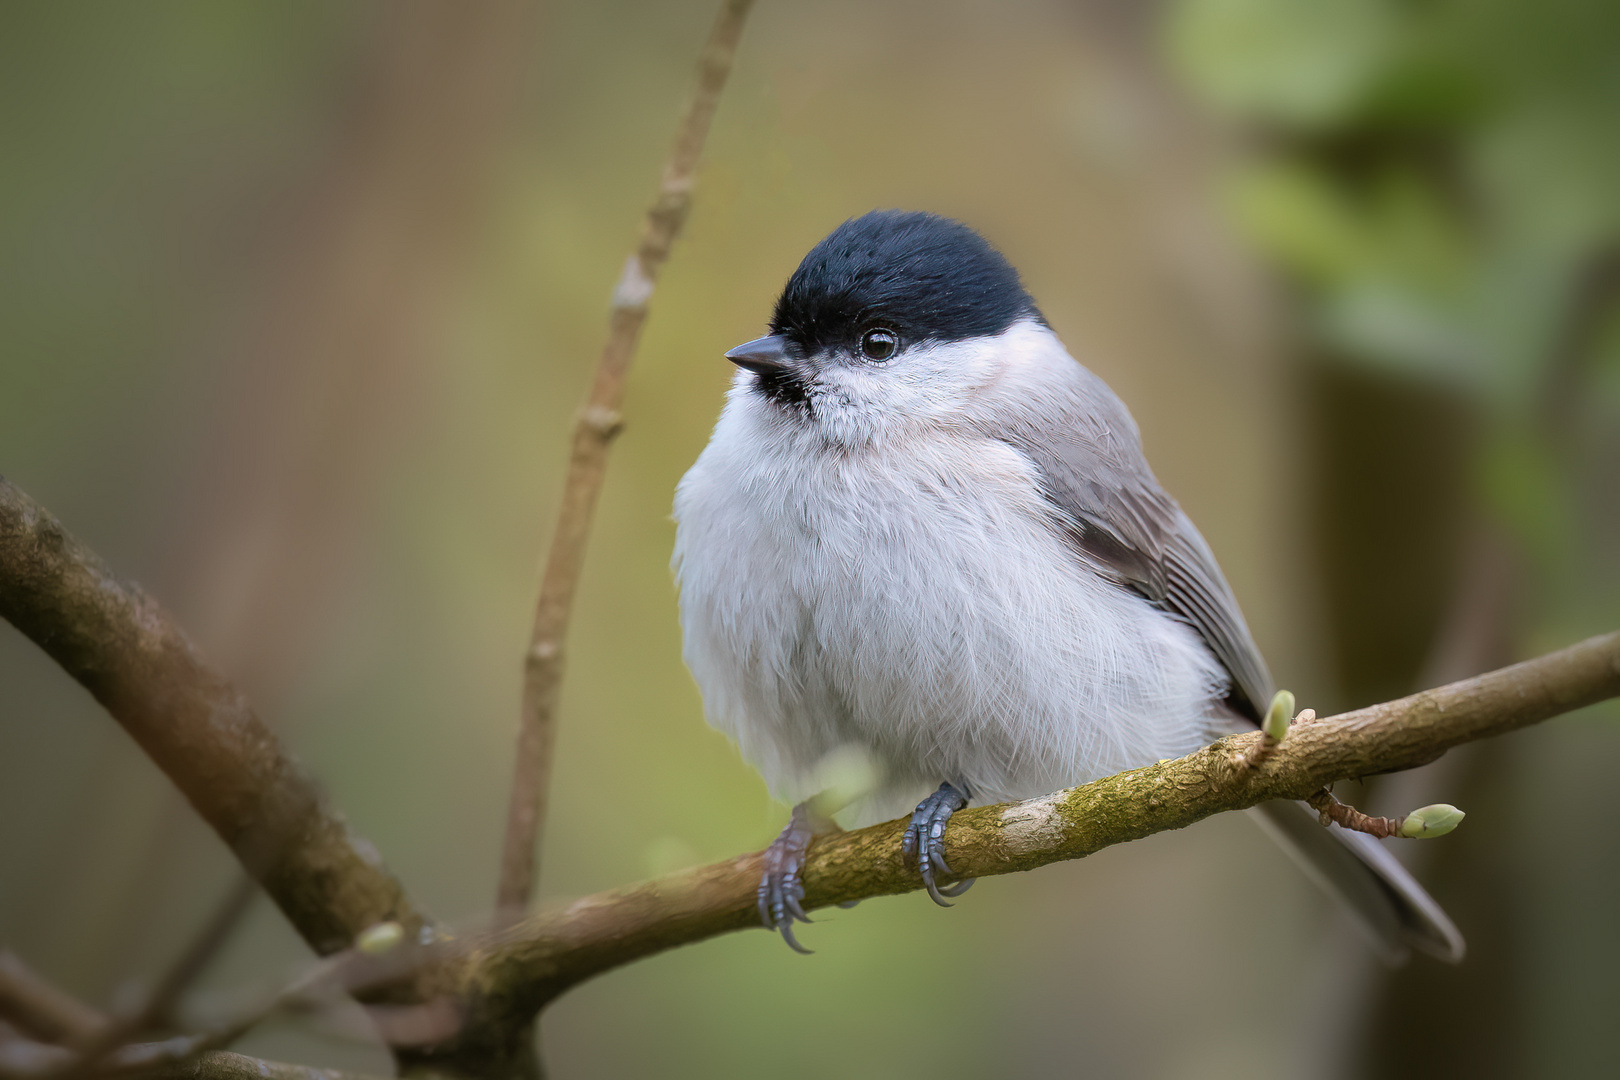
(929, 384)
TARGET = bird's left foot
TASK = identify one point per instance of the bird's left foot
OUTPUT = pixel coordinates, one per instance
(925, 838)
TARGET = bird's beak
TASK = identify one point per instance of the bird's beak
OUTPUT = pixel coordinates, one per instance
(763, 355)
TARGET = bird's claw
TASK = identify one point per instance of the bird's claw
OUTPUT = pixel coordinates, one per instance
(925, 839)
(781, 889)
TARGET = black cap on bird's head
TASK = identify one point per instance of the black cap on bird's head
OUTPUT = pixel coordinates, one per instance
(925, 277)
(886, 280)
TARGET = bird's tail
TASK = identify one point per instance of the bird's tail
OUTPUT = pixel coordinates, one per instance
(1387, 901)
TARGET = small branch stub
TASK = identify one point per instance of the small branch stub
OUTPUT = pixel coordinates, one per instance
(635, 288)
(605, 422)
(1273, 729)
(379, 939)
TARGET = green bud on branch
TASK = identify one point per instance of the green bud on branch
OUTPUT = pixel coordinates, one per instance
(379, 939)
(1430, 821)
(1278, 716)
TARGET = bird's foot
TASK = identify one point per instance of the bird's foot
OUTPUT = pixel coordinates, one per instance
(925, 838)
(781, 889)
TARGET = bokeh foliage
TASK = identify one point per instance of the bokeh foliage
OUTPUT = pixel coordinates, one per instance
(1441, 182)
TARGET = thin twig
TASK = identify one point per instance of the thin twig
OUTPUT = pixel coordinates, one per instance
(350, 972)
(160, 1001)
(40, 1008)
(203, 948)
(1346, 816)
(599, 421)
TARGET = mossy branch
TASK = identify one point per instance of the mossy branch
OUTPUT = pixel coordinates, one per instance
(546, 954)
(123, 647)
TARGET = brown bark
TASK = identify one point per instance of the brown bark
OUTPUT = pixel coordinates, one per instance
(197, 727)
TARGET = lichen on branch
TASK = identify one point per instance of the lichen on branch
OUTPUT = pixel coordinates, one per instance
(546, 954)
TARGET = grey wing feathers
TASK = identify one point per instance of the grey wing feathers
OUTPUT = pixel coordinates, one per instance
(1198, 593)
(1122, 522)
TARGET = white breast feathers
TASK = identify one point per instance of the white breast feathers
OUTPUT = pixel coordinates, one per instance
(916, 598)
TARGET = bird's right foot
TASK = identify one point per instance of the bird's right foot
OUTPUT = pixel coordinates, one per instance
(781, 888)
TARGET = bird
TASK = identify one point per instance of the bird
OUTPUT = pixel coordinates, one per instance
(923, 533)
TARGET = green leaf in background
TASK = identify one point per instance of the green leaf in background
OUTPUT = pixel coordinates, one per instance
(1435, 180)
(1392, 327)
(1291, 212)
(1550, 168)
(1304, 65)
(1335, 234)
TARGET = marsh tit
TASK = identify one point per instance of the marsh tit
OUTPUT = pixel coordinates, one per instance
(924, 532)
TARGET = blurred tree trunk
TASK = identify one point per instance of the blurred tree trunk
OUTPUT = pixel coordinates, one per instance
(352, 284)
(1418, 595)
(347, 288)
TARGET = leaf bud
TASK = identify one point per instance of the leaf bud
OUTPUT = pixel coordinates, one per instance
(1431, 821)
(380, 938)
(1278, 716)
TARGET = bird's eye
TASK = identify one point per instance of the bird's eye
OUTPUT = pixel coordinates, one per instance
(879, 344)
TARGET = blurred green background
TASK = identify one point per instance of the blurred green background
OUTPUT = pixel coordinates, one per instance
(297, 301)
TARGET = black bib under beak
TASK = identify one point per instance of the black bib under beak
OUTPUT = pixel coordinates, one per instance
(766, 355)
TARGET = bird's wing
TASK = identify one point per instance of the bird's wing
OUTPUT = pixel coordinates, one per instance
(1089, 460)
(1126, 526)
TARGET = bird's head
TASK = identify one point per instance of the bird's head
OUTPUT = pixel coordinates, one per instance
(894, 318)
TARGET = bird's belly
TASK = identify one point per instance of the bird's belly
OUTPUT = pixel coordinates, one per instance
(926, 610)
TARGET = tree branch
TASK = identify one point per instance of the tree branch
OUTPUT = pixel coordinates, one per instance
(548, 953)
(121, 646)
(599, 422)
(199, 729)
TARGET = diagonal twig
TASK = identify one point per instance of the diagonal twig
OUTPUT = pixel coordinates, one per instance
(40, 1008)
(160, 1001)
(354, 972)
(196, 726)
(599, 422)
